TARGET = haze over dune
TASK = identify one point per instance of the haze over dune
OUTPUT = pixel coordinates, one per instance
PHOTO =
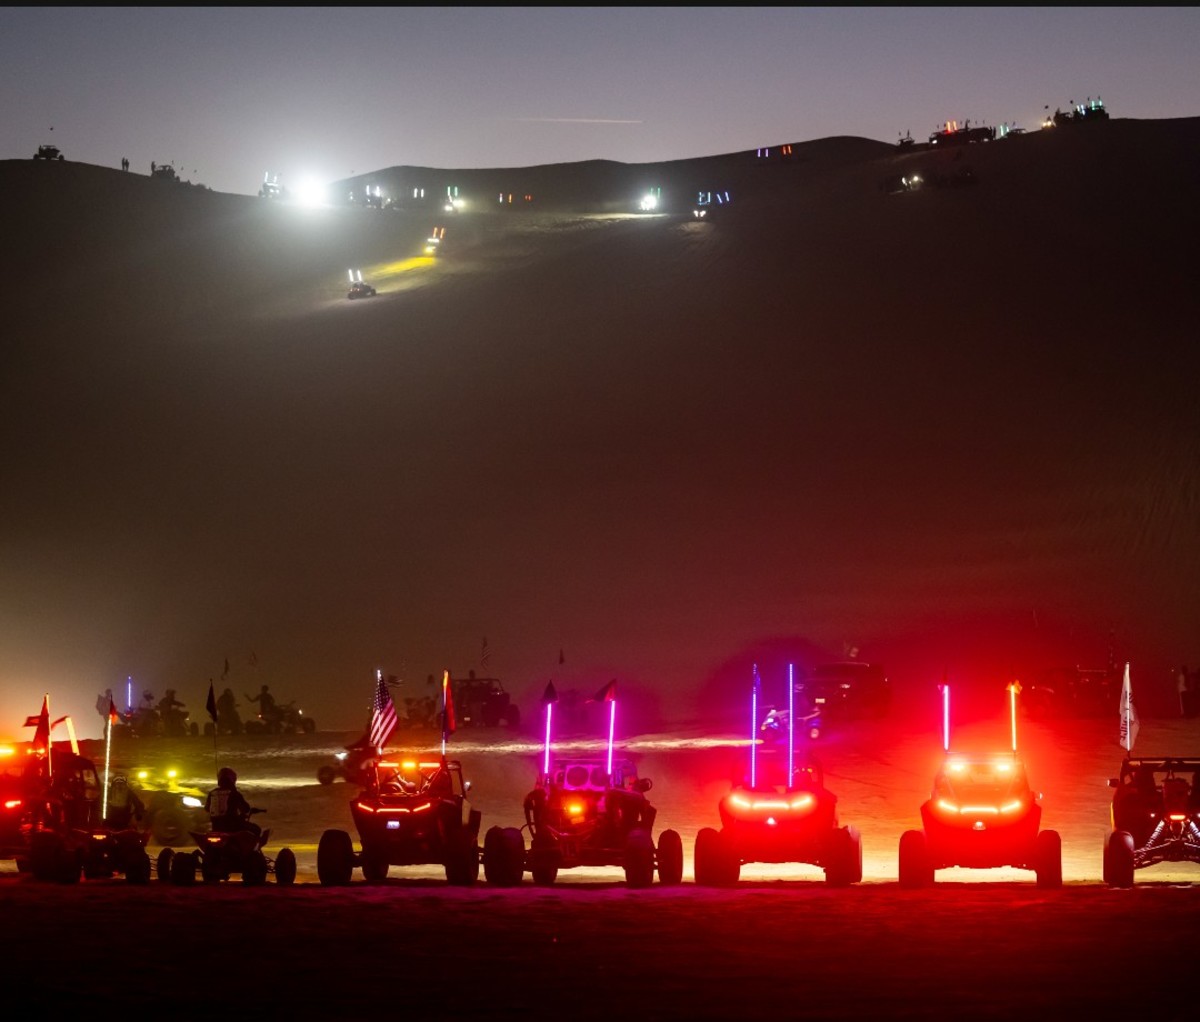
(957, 428)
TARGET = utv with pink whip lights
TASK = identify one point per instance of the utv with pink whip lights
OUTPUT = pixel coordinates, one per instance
(982, 814)
(794, 820)
(586, 811)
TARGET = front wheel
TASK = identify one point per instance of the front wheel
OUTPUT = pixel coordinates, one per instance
(1048, 858)
(183, 869)
(639, 859)
(162, 865)
(843, 865)
(670, 858)
(502, 866)
(285, 867)
(705, 858)
(138, 870)
(1119, 859)
(335, 858)
(374, 865)
(326, 774)
(308, 725)
(915, 867)
(254, 873)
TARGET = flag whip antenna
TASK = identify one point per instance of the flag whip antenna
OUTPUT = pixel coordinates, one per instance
(791, 724)
(754, 730)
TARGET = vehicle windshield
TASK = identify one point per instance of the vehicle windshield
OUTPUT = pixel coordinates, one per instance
(983, 780)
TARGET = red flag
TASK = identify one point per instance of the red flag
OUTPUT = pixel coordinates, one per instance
(550, 695)
(561, 658)
(608, 694)
(448, 722)
(41, 737)
(113, 716)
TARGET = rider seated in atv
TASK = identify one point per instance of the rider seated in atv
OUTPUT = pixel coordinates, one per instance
(227, 808)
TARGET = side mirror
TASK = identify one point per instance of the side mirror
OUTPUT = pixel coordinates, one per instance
(1113, 782)
(643, 784)
(466, 786)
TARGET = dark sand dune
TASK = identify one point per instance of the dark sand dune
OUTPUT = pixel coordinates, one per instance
(955, 427)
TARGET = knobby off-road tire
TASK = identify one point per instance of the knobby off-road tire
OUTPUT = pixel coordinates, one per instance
(670, 858)
(335, 858)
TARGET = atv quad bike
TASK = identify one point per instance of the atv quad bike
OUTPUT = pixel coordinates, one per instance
(220, 854)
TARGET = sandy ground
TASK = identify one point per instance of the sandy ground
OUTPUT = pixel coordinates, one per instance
(981, 943)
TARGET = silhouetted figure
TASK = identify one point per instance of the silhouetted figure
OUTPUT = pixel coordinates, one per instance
(266, 705)
(229, 721)
(227, 807)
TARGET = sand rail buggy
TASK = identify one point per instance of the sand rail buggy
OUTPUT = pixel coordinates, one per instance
(411, 813)
(1155, 816)
(583, 814)
(763, 822)
(982, 814)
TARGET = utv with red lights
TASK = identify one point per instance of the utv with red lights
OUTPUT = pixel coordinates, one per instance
(586, 811)
(1155, 816)
(410, 814)
(791, 817)
(982, 814)
(592, 812)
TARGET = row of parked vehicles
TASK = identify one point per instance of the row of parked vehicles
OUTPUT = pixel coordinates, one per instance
(593, 810)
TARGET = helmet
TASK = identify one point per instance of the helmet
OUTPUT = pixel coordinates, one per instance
(226, 778)
(119, 781)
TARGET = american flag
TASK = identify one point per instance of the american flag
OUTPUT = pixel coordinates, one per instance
(486, 656)
(383, 714)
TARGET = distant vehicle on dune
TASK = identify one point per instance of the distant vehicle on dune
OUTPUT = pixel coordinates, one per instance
(48, 152)
(952, 134)
(359, 288)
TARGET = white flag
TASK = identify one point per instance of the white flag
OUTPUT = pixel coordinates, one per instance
(1129, 717)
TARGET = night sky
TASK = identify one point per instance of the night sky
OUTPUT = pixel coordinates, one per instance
(227, 94)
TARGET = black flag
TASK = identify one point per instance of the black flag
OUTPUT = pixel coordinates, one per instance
(211, 704)
(549, 696)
